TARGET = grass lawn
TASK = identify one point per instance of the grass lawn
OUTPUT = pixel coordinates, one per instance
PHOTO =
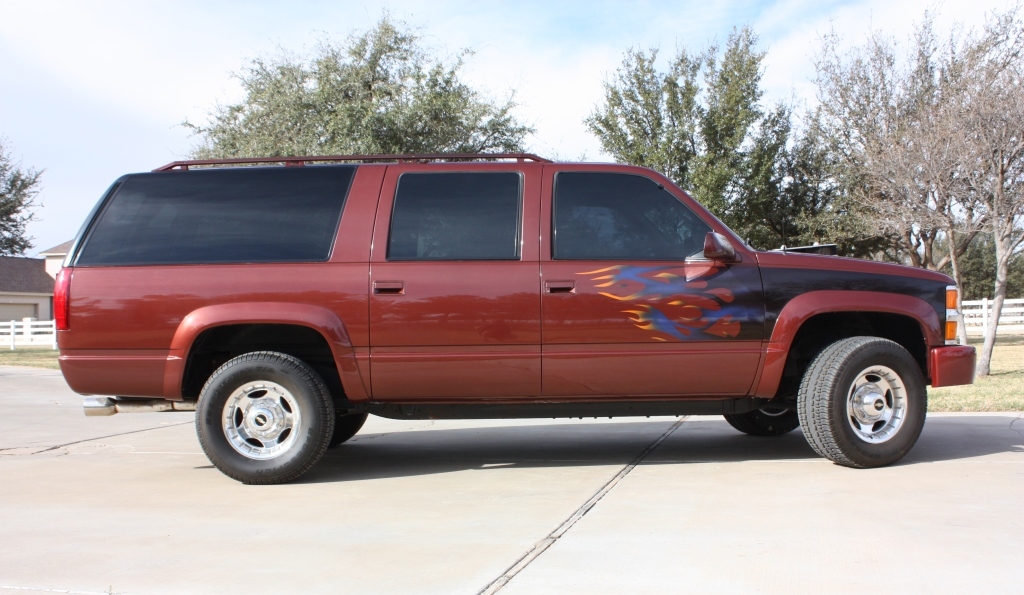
(36, 357)
(1003, 390)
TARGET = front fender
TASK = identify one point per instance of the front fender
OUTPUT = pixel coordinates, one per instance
(812, 303)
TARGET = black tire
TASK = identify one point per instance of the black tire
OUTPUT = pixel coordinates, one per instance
(346, 425)
(262, 386)
(829, 402)
(765, 422)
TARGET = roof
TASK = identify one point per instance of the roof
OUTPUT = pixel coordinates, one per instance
(59, 249)
(24, 275)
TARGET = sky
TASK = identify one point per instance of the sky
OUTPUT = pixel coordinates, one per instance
(92, 91)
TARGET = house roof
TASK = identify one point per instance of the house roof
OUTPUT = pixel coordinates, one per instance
(58, 250)
(24, 275)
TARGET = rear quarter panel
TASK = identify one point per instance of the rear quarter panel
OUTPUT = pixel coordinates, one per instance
(123, 319)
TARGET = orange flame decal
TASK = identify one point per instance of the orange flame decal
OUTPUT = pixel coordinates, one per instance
(669, 302)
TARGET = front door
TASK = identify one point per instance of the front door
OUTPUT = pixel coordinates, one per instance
(454, 284)
(630, 306)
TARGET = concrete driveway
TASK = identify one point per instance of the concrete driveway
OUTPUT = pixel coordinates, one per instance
(129, 504)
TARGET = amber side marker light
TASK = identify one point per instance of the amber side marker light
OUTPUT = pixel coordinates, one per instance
(950, 331)
(952, 315)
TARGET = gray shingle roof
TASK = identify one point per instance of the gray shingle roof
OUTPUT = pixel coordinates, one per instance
(59, 248)
(24, 275)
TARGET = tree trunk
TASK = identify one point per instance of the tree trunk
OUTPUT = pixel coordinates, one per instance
(1003, 254)
(954, 262)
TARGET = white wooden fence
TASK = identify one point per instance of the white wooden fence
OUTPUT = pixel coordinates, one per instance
(978, 315)
(28, 333)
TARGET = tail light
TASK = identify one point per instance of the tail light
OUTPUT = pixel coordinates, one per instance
(61, 298)
(952, 315)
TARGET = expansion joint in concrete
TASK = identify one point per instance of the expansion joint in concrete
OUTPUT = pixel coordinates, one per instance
(541, 546)
(50, 448)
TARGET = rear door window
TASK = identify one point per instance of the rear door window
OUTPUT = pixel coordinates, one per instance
(236, 215)
(456, 216)
(609, 216)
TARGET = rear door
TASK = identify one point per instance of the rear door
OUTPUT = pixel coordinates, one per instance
(454, 282)
(630, 306)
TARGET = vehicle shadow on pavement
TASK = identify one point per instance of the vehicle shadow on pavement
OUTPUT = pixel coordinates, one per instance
(950, 438)
(440, 449)
(444, 450)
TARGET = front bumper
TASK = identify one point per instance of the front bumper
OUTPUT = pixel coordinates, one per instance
(951, 365)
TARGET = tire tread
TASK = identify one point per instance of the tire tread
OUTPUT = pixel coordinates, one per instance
(322, 400)
(820, 379)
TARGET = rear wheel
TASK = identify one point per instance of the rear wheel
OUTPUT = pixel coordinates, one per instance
(765, 422)
(862, 402)
(264, 418)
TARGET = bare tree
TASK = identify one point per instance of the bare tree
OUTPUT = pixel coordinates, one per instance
(932, 146)
(894, 132)
(993, 108)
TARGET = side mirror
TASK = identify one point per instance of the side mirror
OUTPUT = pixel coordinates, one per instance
(717, 248)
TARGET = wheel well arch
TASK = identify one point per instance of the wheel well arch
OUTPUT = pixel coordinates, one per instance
(821, 330)
(216, 345)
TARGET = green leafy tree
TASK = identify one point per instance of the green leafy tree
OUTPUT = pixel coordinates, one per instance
(979, 276)
(701, 123)
(380, 91)
(689, 122)
(730, 116)
(18, 190)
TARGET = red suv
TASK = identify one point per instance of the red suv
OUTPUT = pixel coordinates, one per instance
(286, 302)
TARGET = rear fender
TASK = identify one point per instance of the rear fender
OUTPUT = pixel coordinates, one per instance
(317, 318)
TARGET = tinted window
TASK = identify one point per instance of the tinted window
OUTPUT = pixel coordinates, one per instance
(601, 216)
(229, 215)
(456, 216)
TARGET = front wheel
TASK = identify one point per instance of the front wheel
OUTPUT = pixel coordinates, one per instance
(264, 418)
(862, 402)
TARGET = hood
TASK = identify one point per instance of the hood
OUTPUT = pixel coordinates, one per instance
(820, 262)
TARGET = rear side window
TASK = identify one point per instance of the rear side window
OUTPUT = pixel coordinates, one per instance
(221, 216)
(606, 216)
(456, 216)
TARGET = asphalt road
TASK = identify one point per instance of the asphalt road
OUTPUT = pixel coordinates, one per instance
(129, 504)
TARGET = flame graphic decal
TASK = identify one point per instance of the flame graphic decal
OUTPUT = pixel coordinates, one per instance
(674, 303)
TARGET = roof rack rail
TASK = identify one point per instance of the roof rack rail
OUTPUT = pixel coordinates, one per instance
(300, 161)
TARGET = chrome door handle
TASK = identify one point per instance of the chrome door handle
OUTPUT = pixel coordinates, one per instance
(389, 287)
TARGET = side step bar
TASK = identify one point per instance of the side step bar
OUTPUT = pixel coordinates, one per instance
(101, 406)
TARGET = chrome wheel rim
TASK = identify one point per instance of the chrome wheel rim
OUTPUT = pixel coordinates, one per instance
(877, 404)
(773, 412)
(262, 420)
